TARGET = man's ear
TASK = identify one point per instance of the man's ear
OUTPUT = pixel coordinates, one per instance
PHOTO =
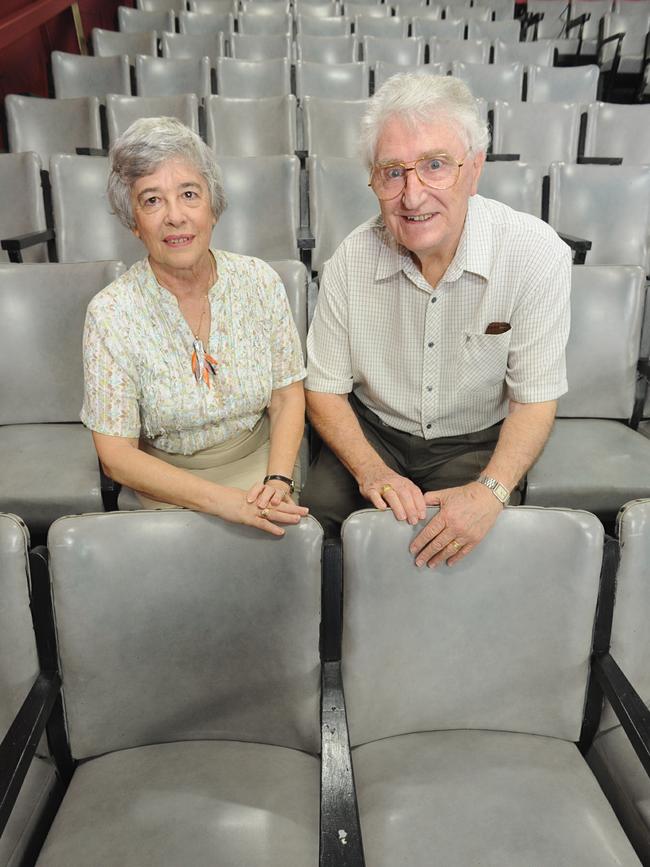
(478, 161)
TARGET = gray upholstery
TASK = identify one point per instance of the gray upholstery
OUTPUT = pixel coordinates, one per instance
(469, 50)
(539, 53)
(158, 5)
(406, 51)
(76, 75)
(253, 24)
(493, 81)
(332, 80)
(464, 689)
(327, 49)
(515, 183)
(618, 131)
(592, 460)
(562, 84)
(295, 279)
(190, 45)
(206, 7)
(121, 111)
(21, 205)
(314, 25)
(471, 13)
(374, 10)
(251, 127)
(162, 76)
(203, 23)
(385, 27)
(508, 31)
(432, 28)
(108, 43)
(538, 132)
(86, 230)
(135, 20)
(554, 21)
(262, 47)
(384, 71)
(340, 199)
(634, 23)
(262, 216)
(332, 127)
(18, 671)
(48, 466)
(609, 205)
(50, 126)
(252, 78)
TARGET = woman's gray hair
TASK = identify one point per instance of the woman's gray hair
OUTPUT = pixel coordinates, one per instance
(143, 147)
(419, 97)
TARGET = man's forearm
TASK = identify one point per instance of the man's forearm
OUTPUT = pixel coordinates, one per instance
(523, 435)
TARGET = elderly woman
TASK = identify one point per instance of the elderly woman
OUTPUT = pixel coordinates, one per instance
(193, 366)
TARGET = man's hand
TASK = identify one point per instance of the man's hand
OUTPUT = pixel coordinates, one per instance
(466, 514)
(386, 488)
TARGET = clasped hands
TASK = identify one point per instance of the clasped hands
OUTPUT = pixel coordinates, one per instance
(466, 515)
(270, 503)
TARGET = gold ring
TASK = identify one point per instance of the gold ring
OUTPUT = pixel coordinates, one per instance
(264, 513)
(456, 545)
(385, 489)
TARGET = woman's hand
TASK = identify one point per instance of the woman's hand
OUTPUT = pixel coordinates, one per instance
(236, 506)
(271, 493)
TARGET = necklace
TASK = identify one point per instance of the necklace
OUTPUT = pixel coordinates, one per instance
(203, 364)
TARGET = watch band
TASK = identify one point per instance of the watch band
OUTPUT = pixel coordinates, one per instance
(500, 491)
(280, 478)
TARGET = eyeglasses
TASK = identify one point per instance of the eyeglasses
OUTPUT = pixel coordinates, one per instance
(438, 171)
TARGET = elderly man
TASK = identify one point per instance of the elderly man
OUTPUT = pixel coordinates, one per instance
(436, 354)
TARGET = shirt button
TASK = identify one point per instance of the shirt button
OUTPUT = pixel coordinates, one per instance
(434, 299)
(428, 427)
(429, 388)
(430, 344)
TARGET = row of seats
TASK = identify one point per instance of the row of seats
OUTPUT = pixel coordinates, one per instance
(220, 732)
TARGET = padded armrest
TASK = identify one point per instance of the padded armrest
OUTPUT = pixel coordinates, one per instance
(628, 706)
(306, 240)
(19, 745)
(580, 247)
(494, 158)
(14, 246)
(600, 161)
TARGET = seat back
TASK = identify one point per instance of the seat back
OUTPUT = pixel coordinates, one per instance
(408, 52)
(332, 126)
(321, 25)
(263, 214)
(384, 71)
(609, 205)
(193, 45)
(42, 312)
(507, 31)
(251, 127)
(158, 5)
(326, 49)
(470, 50)
(332, 80)
(76, 75)
(595, 10)
(501, 641)
(49, 126)
(555, 15)
(472, 13)
(108, 43)
(206, 7)
(516, 184)
(121, 111)
(539, 53)
(369, 10)
(538, 132)
(203, 23)
(386, 27)
(603, 347)
(263, 47)
(252, 24)
(136, 20)
(295, 278)
(340, 200)
(21, 204)
(493, 81)
(562, 84)
(634, 26)
(253, 78)
(618, 131)
(163, 76)
(86, 230)
(175, 625)
(432, 28)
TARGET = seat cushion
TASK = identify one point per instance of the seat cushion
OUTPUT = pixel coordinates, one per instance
(493, 799)
(626, 784)
(592, 464)
(46, 471)
(39, 789)
(199, 804)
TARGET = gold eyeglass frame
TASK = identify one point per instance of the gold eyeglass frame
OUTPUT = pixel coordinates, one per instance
(413, 168)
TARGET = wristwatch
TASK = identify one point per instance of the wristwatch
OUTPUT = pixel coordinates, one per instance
(280, 478)
(500, 491)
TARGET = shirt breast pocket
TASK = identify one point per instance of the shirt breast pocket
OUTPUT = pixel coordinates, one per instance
(483, 360)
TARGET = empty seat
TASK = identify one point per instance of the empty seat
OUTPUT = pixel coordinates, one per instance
(634, 25)
(76, 75)
(407, 52)
(431, 28)
(264, 25)
(202, 23)
(311, 25)
(326, 49)
(621, 131)
(332, 80)
(160, 5)
(516, 184)
(507, 31)
(562, 84)
(553, 17)
(384, 71)
(48, 464)
(494, 81)
(108, 43)
(22, 210)
(163, 76)
(370, 10)
(537, 132)
(121, 111)
(251, 127)
(193, 45)
(253, 78)
(386, 27)
(49, 126)
(448, 50)
(332, 127)
(266, 47)
(208, 7)
(136, 21)
(538, 53)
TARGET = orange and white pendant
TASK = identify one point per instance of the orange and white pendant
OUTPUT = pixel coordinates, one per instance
(203, 364)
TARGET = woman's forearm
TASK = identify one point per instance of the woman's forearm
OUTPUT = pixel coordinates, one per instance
(287, 420)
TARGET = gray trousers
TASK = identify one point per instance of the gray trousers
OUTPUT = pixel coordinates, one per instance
(332, 493)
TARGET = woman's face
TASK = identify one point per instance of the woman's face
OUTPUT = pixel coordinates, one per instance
(173, 215)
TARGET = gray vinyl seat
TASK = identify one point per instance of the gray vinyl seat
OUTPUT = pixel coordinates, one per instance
(463, 716)
(448, 50)
(263, 212)
(121, 111)
(331, 126)
(611, 757)
(634, 24)
(76, 75)
(492, 81)
(340, 200)
(249, 79)
(507, 31)
(18, 672)
(471, 13)
(207, 7)
(562, 84)
(313, 25)
(618, 131)
(504, 10)
(202, 23)
(48, 462)
(135, 20)
(370, 10)
(158, 5)
(193, 45)
(213, 752)
(538, 53)
(326, 49)
(408, 51)
(538, 132)
(384, 70)
(49, 126)
(332, 80)
(253, 24)
(595, 9)
(86, 229)
(516, 184)
(163, 76)
(432, 28)
(262, 47)
(592, 459)
(384, 27)
(251, 127)
(22, 210)
(553, 22)
(108, 43)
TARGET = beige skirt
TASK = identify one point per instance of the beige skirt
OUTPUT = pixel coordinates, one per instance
(235, 463)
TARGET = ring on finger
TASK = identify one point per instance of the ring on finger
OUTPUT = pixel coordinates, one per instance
(456, 545)
(264, 512)
(385, 489)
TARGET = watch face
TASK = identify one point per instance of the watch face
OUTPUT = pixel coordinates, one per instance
(501, 492)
